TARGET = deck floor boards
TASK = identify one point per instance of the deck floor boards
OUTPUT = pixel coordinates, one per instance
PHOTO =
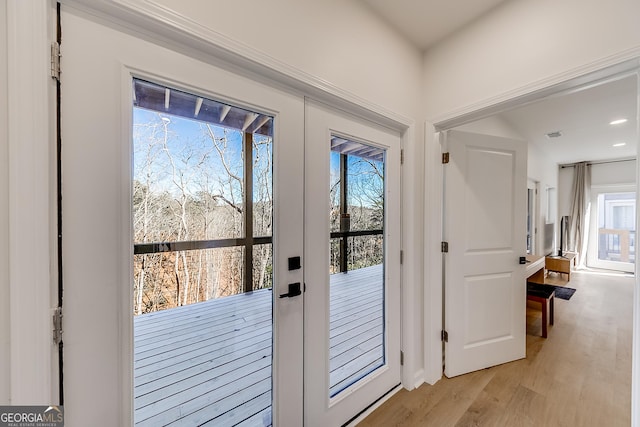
(210, 363)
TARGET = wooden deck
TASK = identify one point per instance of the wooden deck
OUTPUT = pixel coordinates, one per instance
(210, 363)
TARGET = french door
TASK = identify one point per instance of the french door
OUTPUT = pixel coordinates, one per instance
(183, 225)
(352, 274)
(191, 230)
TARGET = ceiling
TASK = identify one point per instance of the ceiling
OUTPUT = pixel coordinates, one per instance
(583, 119)
(425, 22)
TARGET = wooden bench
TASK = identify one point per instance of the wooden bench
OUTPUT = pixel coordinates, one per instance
(544, 294)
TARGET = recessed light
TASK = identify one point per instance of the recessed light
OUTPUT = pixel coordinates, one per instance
(618, 122)
(620, 144)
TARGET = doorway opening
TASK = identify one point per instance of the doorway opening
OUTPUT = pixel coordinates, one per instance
(489, 123)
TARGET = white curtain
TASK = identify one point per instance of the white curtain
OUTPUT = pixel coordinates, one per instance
(580, 207)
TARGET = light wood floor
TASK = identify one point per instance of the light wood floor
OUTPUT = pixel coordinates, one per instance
(579, 376)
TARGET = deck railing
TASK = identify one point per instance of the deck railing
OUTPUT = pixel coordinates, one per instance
(616, 245)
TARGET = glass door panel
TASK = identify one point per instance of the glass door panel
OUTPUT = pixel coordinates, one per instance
(202, 209)
(356, 313)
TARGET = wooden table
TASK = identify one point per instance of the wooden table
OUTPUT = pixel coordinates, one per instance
(563, 264)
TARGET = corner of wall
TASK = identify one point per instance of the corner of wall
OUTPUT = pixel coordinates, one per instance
(432, 277)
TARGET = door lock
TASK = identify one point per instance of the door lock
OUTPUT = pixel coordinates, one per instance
(294, 291)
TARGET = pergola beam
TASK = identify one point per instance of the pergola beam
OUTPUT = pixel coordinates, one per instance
(251, 117)
(223, 113)
(198, 106)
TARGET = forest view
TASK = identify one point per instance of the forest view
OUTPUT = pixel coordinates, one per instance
(365, 207)
(189, 184)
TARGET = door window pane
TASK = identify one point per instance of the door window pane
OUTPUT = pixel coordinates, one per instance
(357, 307)
(202, 212)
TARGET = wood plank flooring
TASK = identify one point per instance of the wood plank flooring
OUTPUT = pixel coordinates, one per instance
(579, 376)
(210, 363)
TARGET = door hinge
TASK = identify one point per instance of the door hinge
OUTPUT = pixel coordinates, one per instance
(57, 325)
(445, 158)
(402, 156)
(444, 247)
(401, 257)
(402, 358)
(55, 60)
(444, 336)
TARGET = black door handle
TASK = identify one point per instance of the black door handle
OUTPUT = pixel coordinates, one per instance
(294, 291)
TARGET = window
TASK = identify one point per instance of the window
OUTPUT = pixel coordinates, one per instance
(616, 227)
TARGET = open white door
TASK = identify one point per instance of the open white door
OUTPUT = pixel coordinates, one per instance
(485, 227)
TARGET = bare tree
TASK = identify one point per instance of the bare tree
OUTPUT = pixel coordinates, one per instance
(189, 185)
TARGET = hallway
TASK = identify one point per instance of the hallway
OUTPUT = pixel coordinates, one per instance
(579, 376)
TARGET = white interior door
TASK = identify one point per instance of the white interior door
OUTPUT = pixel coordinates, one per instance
(485, 226)
(352, 274)
(101, 103)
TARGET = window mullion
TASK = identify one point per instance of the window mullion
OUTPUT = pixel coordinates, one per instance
(248, 211)
(345, 225)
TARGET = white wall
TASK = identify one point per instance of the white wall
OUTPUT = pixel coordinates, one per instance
(613, 173)
(341, 42)
(525, 42)
(4, 216)
(493, 125)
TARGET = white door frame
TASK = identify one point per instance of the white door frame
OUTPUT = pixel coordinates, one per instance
(590, 75)
(28, 360)
(535, 220)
